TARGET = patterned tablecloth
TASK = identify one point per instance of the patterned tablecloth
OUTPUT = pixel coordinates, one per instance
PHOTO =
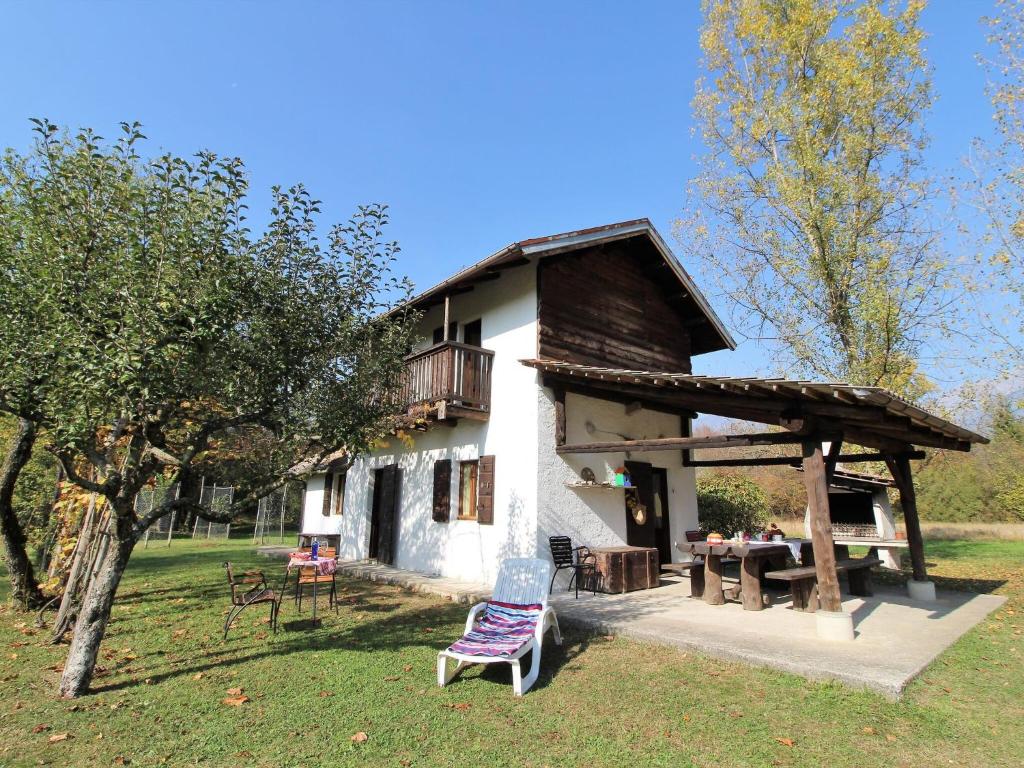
(325, 565)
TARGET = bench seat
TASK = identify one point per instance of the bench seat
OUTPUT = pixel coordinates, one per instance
(803, 580)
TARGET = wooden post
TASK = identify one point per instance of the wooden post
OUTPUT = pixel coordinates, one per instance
(821, 527)
(899, 466)
(447, 313)
(559, 415)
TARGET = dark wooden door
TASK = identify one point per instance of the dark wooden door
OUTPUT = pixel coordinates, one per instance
(662, 529)
(640, 530)
(384, 515)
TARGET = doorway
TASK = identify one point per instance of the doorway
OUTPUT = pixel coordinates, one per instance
(640, 531)
(384, 514)
(662, 529)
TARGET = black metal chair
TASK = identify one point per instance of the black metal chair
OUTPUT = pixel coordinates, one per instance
(250, 589)
(580, 560)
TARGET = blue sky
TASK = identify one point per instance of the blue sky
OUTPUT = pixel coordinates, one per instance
(479, 123)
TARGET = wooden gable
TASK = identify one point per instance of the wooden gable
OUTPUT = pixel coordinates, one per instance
(616, 305)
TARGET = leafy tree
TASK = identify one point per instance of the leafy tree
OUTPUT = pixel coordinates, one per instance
(168, 330)
(999, 172)
(728, 502)
(809, 210)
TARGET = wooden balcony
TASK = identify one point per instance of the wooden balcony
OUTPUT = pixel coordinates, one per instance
(449, 380)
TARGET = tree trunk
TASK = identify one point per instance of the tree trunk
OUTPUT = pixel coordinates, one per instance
(95, 611)
(24, 587)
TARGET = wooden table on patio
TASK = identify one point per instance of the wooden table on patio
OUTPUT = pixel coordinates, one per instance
(754, 557)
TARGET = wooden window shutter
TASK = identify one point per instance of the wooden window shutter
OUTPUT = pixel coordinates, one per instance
(328, 487)
(485, 491)
(442, 490)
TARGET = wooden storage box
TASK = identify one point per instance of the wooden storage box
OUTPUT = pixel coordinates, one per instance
(625, 569)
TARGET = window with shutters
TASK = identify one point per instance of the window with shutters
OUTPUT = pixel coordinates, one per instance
(442, 490)
(334, 493)
(467, 489)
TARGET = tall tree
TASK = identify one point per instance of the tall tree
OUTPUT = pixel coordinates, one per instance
(169, 331)
(810, 207)
(999, 173)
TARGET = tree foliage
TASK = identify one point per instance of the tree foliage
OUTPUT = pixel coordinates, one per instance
(144, 325)
(985, 485)
(729, 502)
(810, 208)
(998, 168)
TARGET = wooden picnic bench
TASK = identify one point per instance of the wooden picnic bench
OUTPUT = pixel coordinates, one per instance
(803, 580)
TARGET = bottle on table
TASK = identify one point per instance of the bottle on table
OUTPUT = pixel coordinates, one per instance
(314, 550)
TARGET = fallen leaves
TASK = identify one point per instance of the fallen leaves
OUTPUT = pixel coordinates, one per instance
(326, 694)
(359, 737)
(234, 691)
(407, 668)
(391, 678)
(178, 633)
(59, 737)
(40, 728)
(235, 701)
(197, 676)
(785, 742)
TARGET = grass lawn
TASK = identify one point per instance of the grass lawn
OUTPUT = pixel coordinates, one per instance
(600, 702)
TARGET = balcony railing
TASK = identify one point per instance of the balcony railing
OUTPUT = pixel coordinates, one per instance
(450, 376)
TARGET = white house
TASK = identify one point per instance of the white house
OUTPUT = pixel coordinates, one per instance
(484, 480)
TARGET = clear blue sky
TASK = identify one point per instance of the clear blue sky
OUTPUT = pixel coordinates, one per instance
(479, 123)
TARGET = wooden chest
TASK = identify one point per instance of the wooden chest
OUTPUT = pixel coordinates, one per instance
(625, 569)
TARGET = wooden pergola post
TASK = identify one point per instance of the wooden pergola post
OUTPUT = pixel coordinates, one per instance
(821, 527)
(920, 587)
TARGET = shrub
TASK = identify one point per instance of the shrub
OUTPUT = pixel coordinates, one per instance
(729, 503)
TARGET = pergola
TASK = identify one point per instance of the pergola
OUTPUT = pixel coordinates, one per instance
(810, 414)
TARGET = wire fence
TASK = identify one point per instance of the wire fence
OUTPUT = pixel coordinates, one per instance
(150, 498)
(270, 514)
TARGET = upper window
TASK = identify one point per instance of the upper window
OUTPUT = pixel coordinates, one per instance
(467, 489)
(334, 493)
(453, 332)
(471, 333)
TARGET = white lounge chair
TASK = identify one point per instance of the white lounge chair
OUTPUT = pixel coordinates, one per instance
(512, 623)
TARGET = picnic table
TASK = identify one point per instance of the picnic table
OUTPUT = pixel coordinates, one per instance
(325, 566)
(755, 557)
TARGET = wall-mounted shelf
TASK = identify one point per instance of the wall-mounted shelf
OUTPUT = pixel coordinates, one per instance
(605, 486)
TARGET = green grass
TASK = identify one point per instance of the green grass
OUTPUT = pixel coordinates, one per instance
(600, 701)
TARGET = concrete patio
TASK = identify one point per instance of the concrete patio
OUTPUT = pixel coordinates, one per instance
(896, 637)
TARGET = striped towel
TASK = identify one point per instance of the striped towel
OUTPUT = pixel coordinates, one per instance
(503, 629)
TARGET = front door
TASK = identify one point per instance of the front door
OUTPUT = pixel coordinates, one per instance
(662, 534)
(640, 528)
(383, 516)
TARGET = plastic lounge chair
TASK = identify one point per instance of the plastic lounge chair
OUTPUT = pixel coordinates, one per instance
(507, 626)
(249, 589)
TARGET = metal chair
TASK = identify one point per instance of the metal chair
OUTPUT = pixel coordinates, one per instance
(242, 597)
(579, 559)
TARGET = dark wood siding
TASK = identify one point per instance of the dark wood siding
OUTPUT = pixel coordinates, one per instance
(617, 305)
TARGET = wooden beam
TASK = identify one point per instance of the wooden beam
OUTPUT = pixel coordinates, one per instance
(899, 466)
(677, 443)
(559, 393)
(685, 431)
(447, 314)
(830, 461)
(821, 527)
(795, 461)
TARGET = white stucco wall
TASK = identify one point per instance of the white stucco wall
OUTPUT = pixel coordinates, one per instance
(507, 308)
(596, 516)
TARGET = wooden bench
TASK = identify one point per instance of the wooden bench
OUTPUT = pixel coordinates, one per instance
(803, 584)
